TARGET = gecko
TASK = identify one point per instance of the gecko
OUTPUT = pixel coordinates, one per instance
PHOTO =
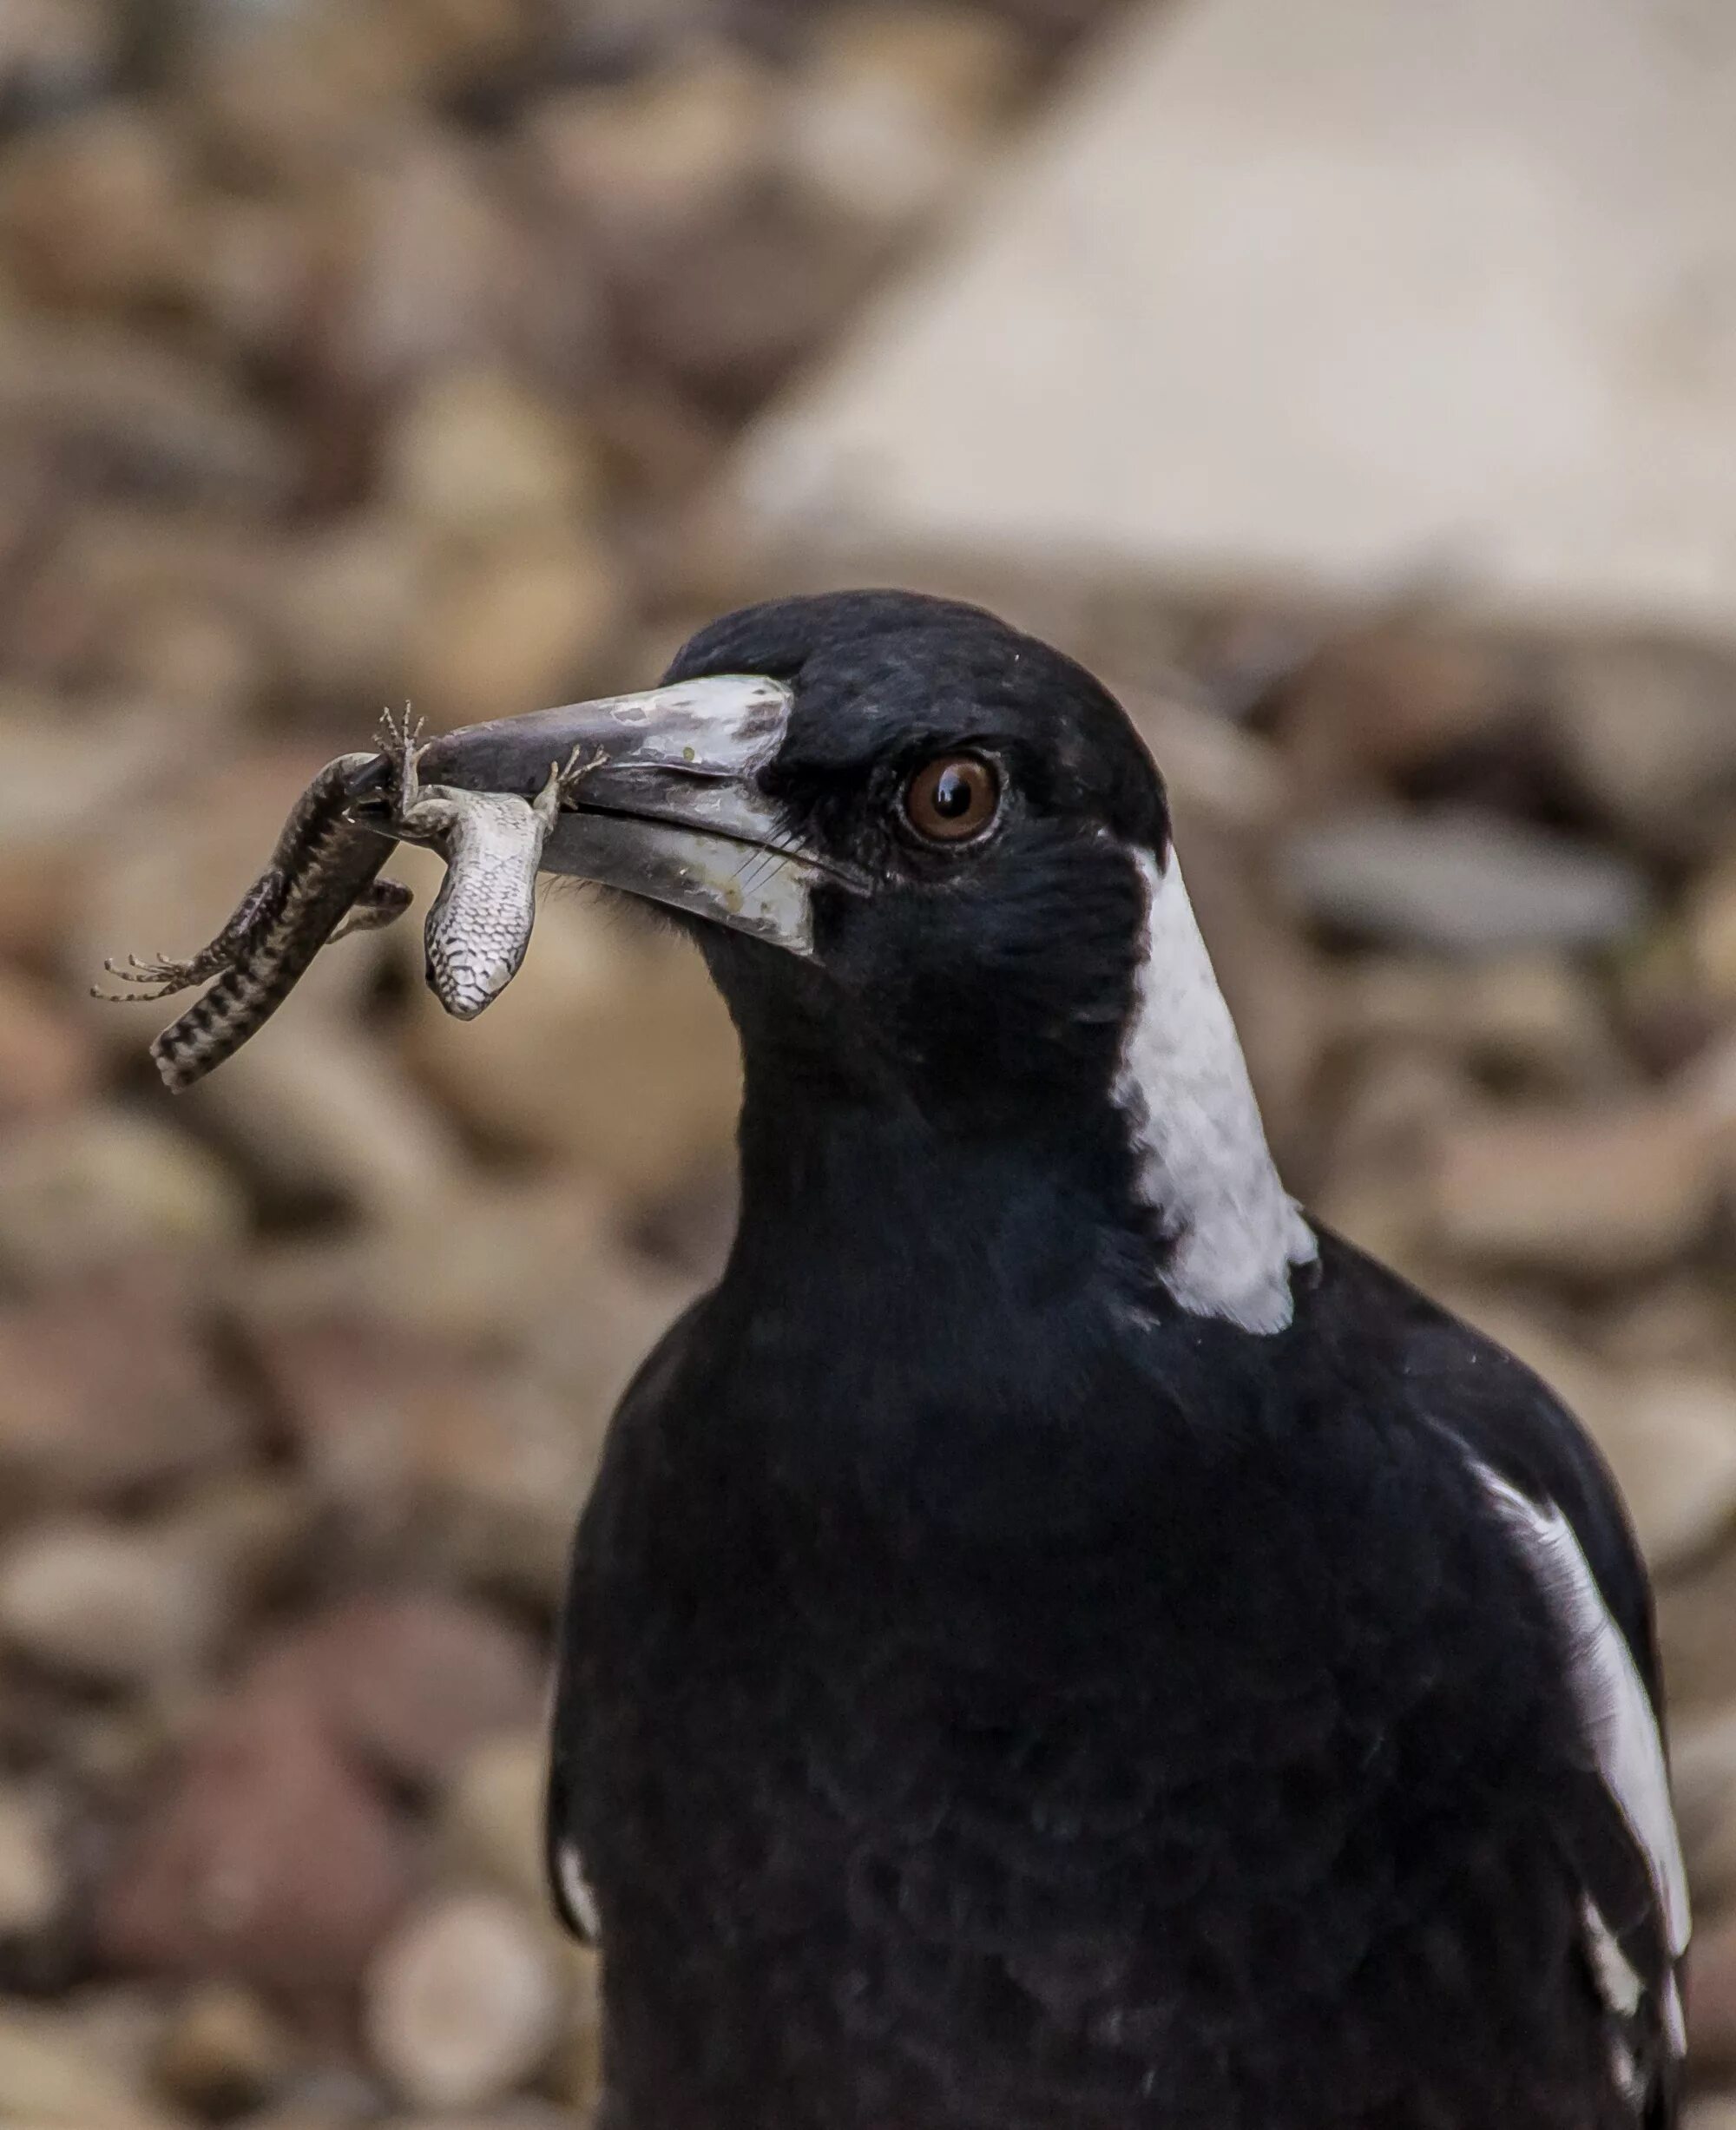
(323, 883)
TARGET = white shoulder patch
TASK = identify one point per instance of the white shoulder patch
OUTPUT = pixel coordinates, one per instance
(575, 1890)
(1618, 1711)
(1204, 1167)
(1621, 1987)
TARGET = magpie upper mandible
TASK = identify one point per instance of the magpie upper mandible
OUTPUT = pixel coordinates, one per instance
(1060, 1640)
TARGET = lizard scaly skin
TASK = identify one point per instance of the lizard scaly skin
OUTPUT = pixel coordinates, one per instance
(323, 870)
(479, 925)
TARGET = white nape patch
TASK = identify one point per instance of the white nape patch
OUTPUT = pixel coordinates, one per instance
(1205, 1166)
(576, 1891)
(1613, 1697)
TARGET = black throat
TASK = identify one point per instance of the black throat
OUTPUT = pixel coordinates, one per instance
(915, 1310)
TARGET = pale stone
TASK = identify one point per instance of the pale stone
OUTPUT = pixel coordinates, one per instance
(482, 1465)
(409, 1682)
(54, 53)
(46, 1062)
(1698, 1651)
(515, 628)
(1531, 1019)
(105, 1391)
(1324, 295)
(610, 1046)
(117, 2026)
(1596, 1191)
(893, 103)
(1400, 1097)
(1671, 1440)
(347, 600)
(118, 1606)
(31, 1882)
(262, 1853)
(1711, 1999)
(1375, 1207)
(317, 1107)
(491, 1813)
(1703, 1783)
(1464, 882)
(1538, 1017)
(463, 2001)
(642, 158)
(103, 1186)
(435, 269)
(1650, 729)
(188, 653)
(49, 2075)
(96, 210)
(223, 2052)
(576, 2072)
(474, 450)
(524, 1254)
(1682, 1322)
(161, 420)
(56, 773)
(1212, 768)
(1711, 930)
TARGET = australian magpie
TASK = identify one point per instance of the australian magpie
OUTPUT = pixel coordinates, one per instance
(1060, 1639)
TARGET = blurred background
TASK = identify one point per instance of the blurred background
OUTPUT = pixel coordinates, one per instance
(1352, 386)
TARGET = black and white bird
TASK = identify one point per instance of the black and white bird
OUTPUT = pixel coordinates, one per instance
(1060, 1639)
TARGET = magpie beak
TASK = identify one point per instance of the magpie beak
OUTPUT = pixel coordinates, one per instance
(665, 803)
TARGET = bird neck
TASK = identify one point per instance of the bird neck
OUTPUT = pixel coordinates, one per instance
(1234, 1233)
(1140, 1155)
(875, 1195)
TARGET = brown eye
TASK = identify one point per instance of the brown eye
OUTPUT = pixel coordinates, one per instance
(952, 799)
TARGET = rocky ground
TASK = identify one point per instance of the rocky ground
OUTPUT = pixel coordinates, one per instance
(375, 348)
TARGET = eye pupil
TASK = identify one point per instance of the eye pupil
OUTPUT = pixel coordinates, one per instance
(953, 800)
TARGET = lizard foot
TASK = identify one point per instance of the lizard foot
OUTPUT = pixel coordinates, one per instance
(559, 792)
(400, 736)
(169, 976)
(164, 977)
(567, 779)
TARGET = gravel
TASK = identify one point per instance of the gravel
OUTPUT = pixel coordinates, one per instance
(348, 353)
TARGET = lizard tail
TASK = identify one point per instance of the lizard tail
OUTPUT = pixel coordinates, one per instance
(209, 1031)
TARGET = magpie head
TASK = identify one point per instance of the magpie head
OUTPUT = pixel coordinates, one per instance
(973, 806)
(928, 861)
